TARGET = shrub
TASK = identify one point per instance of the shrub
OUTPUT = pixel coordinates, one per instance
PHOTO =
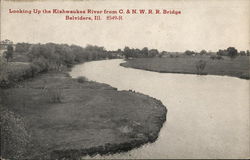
(3, 73)
(200, 66)
(218, 57)
(14, 136)
(41, 63)
(82, 79)
(54, 94)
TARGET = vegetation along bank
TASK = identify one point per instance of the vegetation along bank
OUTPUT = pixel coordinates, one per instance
(45, 114)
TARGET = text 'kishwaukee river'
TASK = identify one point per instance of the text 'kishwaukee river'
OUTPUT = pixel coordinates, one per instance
(96, 14)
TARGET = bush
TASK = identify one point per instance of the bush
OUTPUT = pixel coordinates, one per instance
(22, 47)
(218, 57)
(200, 66)
(14, 136)
(82, 79)
(54, 95)
(3, 73)
(41, 64)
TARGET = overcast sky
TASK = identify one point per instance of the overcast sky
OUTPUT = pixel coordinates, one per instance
(204, 24)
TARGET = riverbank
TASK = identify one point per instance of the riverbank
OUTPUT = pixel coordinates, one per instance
(69, 118)
(238, 67)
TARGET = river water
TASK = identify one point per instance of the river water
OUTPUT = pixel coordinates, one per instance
(208, 116)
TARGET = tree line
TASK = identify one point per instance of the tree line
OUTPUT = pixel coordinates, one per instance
(64, 54)
(137, 53)
(231, 52)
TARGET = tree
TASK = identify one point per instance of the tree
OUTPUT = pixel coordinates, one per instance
(203, 52)
(127, 52)
(22, 47)
(9, 53)
(248, 53)
(242, 53)
(153, 52)
(144, 52)
(232, 52)
(222, 52)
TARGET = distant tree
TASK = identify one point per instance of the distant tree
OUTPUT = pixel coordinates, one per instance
(248, 53)
(203, 52)
(242, 53)
(144, 52)
(5, 43)
(200, 66)
(119, 51)
(127, 52)
(22, 47)
(153, 52)
(164, 52)
(232, 52)
(9, 53)
(80, 54)
(216, 57)
(222, 52)
(137, 53)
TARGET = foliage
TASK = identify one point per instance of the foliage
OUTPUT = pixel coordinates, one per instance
(52, 56)
(3, 72)
(242, 53)
(82, 79)
(200, 66)
(3, 68)
(188, 52)
(203, 52)
(137, 53)
(248, 53)
(153, 53)
(5, 43)
(9, 53)
(22, 47)
(54, 94)
(14, 136)
(232, 52)
(214, 57)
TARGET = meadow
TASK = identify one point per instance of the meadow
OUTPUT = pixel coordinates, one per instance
(236, 67)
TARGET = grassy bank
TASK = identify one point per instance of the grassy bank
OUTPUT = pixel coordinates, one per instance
(238, 67)
(58, 117)
(45, 114)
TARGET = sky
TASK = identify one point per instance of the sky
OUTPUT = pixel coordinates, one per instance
(203, 24)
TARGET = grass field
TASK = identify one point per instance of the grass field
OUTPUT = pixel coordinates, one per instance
(238, 67)
(69, 117)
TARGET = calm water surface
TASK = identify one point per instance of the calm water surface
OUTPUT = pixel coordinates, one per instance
(208, 116)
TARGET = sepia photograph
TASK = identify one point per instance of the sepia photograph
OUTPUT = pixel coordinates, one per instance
(106, 79)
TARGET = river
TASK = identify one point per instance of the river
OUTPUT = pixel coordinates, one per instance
(208, 116)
